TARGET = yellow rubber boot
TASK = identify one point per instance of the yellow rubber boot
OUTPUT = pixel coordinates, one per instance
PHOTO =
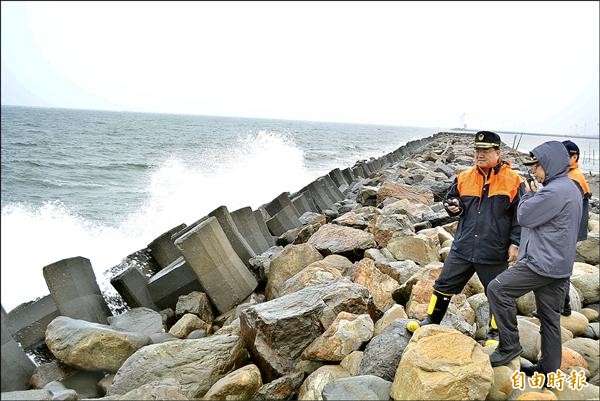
(438, 304)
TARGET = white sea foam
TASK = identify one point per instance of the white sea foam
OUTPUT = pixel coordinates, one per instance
(254, 171)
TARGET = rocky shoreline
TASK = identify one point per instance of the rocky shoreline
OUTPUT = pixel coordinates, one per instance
(306, 297)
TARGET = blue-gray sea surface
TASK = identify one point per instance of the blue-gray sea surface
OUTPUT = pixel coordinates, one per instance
(104, 184)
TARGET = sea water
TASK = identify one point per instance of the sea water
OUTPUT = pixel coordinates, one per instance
(103, 185)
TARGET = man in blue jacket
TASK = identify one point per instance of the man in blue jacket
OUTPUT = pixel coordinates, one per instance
(549, 220)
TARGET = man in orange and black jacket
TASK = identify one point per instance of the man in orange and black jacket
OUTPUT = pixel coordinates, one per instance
(577, 176)
(485, 197)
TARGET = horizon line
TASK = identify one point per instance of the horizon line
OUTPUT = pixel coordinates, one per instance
(220, 116)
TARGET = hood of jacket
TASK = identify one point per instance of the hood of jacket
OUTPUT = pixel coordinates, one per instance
(554, 158)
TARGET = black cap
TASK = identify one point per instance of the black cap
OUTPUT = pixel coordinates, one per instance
(571, 147)
(487, 139)
(531, 160)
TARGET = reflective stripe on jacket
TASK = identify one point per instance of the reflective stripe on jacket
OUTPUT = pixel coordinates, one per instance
(488, 223)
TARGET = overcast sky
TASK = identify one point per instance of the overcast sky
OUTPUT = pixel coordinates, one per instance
(524, 66)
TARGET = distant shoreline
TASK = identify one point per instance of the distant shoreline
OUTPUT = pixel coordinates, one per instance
(472, 131)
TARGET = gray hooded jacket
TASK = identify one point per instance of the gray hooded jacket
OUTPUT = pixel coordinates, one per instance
(549, 218)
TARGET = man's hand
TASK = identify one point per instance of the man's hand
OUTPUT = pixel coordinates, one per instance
(530, 186)
(452, 205)
(513, 252)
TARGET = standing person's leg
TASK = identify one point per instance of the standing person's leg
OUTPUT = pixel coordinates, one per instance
(486, 273)
(566, 309)
(502, 294)
(455, 274)
(549, 300)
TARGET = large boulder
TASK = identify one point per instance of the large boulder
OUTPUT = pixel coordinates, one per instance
(394, 313)
(421, 288)
(400, 271)
(379, 284)
(91, 346)
(587, 280)
(418, 248)
(280, 389)
(312, 388)
(195, 302)
(276, 332)
(140, 320)
(319, 272)
(289, 262)
(502, 387)
(240, 384)
(358, 218)
(195, 364)
(529, 338)
(386, 226)
(164, 389)
(414, 211)
(572, 359)
(589, 349)
(351, 362)
(188, 323)
(30, 395)
(342, 240)
(346, 334)
(382, 354)
(358, 388)
(576, 323)
(588, 250)
(401, 191)
(441, 363)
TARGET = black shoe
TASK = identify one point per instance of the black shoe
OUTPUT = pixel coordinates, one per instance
(566, 311)
(503, 357)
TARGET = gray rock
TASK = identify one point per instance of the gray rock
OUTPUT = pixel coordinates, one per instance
(158, 338)
(48, 372)
(358, 388)
(196, 334)
(139, 320)
(195, 364)
(168, 317)
(197, 303)
(283, 388)
(443, 168)
(277, 332)
(164, 389)
(383, 353)
(588, 349)
(342, 240)
(105, 383)
(91, 346)
(260, 264)
(26, 395)
(60, 392)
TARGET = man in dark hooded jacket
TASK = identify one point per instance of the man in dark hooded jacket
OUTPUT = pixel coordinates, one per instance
(549, 220)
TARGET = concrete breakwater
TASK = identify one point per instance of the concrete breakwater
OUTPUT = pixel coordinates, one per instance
(286, 298)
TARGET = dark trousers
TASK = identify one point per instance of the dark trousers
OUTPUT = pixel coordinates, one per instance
(567, 296)
(549, 296)
(458, 271)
